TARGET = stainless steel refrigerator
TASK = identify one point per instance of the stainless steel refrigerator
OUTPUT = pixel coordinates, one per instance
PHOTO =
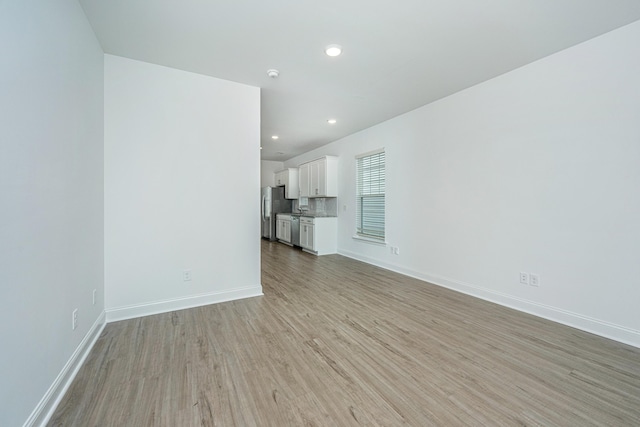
(273, 202)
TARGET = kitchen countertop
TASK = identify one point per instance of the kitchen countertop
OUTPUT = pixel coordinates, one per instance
(318, 215)
(309, 215)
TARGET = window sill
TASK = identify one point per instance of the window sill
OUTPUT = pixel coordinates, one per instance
(370, 240)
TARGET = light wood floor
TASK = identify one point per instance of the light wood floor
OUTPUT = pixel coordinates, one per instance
(335, 342)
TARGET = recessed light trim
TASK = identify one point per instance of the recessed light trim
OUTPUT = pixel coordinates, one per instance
(275, 137)
(333, 50)
(332, 121)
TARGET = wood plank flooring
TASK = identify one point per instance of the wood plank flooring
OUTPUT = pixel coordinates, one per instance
(336, 342)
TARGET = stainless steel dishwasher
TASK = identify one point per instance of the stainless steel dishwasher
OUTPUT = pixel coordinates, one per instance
(295, 230)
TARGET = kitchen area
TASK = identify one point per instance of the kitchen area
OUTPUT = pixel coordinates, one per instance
(301, 210)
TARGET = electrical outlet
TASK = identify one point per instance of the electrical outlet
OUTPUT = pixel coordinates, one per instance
(534, 280)
(524, 278)
(95, 291)
(392, 250)
(74, 319)
(186, 275)
(396, 250)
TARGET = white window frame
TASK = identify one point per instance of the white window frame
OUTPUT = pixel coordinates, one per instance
(371, 186)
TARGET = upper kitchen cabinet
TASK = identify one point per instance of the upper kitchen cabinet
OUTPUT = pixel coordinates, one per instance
(289, 178)
(319, 178)
(305, 184)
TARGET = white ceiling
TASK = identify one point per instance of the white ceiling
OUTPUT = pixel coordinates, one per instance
(397, 55)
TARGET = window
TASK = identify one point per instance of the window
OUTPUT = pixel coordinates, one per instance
(370, 188)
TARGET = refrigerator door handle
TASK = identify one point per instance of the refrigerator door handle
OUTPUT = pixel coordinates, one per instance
(263, 207)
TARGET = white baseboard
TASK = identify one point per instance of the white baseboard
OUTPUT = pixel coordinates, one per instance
(43, 412)
(588, 324)
(157, 307)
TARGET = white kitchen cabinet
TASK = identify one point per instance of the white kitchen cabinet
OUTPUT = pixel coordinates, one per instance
(306, 233)
(319, 178)
(278, 178)
(283, 228)
(304, 174)
(319, 235)
(288, 178)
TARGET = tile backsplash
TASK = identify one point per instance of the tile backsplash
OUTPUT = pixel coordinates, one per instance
(318, 205)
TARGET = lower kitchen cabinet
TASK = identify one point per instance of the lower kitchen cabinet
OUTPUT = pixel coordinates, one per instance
(319, 235)
(306, 233)
(283, 228)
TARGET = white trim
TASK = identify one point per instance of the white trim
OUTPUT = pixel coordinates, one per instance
(370, 153)
(378, 242)
(163, 306)
(49, 402)
(588, 324)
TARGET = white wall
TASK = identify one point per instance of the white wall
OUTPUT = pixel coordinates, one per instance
(51, 189)
(536, 170)
(182, 191)
(267, 170)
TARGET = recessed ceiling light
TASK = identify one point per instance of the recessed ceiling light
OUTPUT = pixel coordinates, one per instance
(261, 148)
(332, 121)
(275, 137)
(333, 50)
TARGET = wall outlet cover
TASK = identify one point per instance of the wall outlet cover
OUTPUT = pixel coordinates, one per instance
(534, 280)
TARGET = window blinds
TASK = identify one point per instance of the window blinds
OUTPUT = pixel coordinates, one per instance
(370, 190)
